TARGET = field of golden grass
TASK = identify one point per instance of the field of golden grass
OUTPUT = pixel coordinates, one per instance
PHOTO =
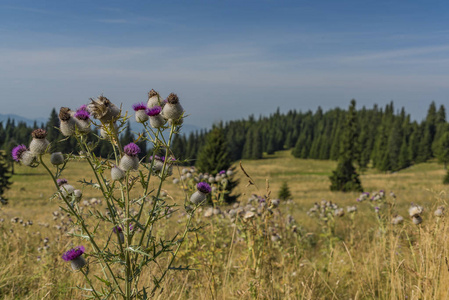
(361, 256)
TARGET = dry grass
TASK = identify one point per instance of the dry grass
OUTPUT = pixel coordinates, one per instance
(239, 262)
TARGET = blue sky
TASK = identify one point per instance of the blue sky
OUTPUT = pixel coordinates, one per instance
(224, 59)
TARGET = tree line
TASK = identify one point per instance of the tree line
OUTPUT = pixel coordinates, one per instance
(12, 134)
(385, 139)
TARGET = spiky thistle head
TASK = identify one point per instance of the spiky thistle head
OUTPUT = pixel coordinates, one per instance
(64, 114)
(17, 152)
(102, 108)
(117, 229)
(131, 149)
(154, 111)
(152, 93)
(204, 187)
(82, 113)
(173, 98)
(139, 106)
(73, 253)
(61, 181)
(39, 134)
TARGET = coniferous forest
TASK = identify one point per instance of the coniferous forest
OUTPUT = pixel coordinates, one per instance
(12, 134)
(387, 138)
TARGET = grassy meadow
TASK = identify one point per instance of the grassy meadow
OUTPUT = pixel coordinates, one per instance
(287, 254)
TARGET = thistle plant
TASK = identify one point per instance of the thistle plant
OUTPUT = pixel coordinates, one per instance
(326, 213)
(119, 246)
(218, 184)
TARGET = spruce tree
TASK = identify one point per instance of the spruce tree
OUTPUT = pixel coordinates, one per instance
(443, 149)
(214, 157)
(284, 192)
(256, 149)
(5, 175)
(345, 177)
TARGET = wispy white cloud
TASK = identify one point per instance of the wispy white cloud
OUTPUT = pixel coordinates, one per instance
(400, 53)
(225, 75)
(26, 8)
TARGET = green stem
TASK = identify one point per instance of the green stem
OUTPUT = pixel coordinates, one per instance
(110, 205)
(160, 186)
(81, 221)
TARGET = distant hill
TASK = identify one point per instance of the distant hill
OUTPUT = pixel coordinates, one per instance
(18, 119)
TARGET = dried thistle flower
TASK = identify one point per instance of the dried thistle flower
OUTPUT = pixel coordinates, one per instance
(67, 122)
(103, 109)
(153, 99)
(39, 144)
(173, 109)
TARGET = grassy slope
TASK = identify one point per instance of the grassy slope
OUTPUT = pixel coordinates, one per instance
(307, 179)
(308, 182)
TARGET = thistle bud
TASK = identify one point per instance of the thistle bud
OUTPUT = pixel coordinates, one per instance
(439, 212)
(140, 109)
(75, 257)
(82, 120)
(117, 173)
(130, 161)
(39, 143)
(415, 210)
(78, 195)
(200, 195)
(21, 154)
(397, 220)
(153, 99)
(417, 219)
(57, 158)
(173, 109)
(67, 122)
(65, 188)
(156, 120)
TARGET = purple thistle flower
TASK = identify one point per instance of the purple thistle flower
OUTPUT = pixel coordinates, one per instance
(82, 114)
(204, 187)
(131, 149)
(377, 209)
(162, 158)
(156, 157)
(61, 181)
(73, 253)
(366, 193)
(17, 152)
(358, 199)
(154, 111)
(222, 172)
(139, 106)
(117, 229)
